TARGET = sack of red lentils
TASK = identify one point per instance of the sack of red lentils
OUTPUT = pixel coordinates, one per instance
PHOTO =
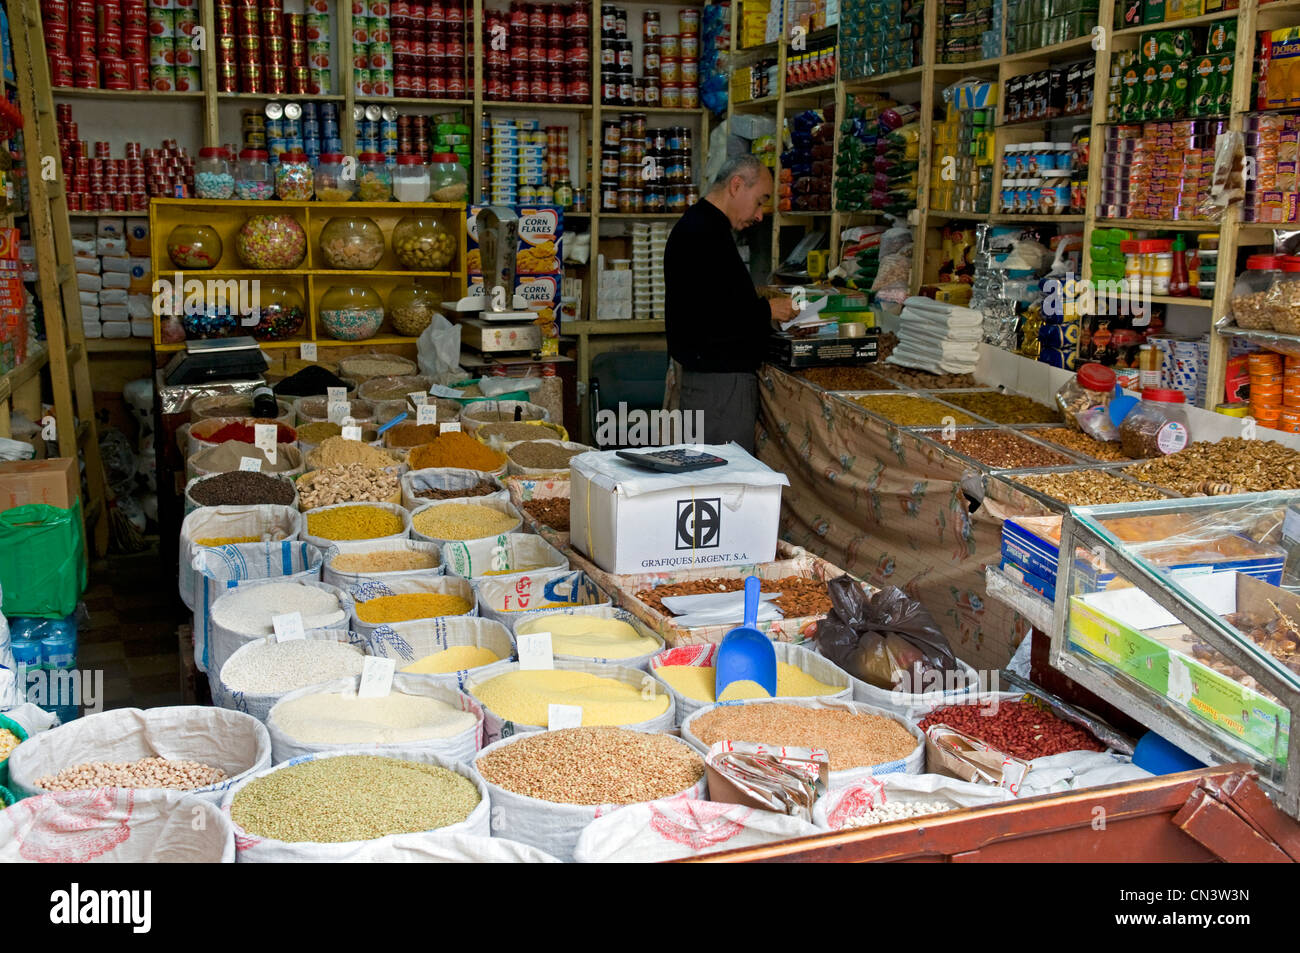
(354, 562)
(446, 650)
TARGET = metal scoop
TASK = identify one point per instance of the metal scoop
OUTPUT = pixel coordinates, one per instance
(746, 654)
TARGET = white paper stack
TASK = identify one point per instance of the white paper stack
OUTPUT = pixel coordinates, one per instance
(937, 337)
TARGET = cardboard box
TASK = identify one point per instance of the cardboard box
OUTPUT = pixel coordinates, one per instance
(55, 481)
(628, 519)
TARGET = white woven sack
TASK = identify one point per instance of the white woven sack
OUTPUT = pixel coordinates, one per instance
(550, 826)
(223, 642)
(445, 585)
(226, 522)
(458, 747)
(801, 658)
(346, 580)
(325, 543)
(439, 848)
(232, 741)
(498, 557)
(496, 727)
(446, 478)
(195, 464)
(116, 826)
(672, 828)
(251, 849)
(191, 504)
(517, 469)
(913, 763)
(836, 808)
(224, 568)
(529, 622)
(500, 505)
(408, 642)
(259, 704)
(505, 600)
(471, 420)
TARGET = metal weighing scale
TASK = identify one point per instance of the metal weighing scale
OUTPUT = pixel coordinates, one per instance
(224, 359)
(487, 324)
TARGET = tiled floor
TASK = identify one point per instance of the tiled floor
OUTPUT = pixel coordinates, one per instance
(131, 636)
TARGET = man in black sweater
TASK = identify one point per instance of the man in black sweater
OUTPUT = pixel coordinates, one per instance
(717, 323)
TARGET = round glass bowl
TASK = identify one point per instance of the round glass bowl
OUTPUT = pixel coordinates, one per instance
(194, 247)
(351, 312)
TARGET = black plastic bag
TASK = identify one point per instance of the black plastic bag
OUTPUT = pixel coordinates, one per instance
(888, 640)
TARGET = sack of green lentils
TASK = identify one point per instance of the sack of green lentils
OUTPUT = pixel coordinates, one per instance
(293, 818)
(439, 521)
(517, 702)
(578, 775)
(693, 670)
(352, 562)
(236, 744)
(407, 600)
(504, 599)
(595, 634)
(903, 756)
(116, 825)
(247, 612)
(502, 557)
(418, 486)
(261, 524)
(261, 672)
(344, 522)
(446, 650)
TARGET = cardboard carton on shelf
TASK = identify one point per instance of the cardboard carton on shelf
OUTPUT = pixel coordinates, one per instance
(54, 481)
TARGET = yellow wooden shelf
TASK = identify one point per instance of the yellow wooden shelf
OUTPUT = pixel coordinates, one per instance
(286, 97)
(1150, 223)
(897, 76)
(70, 92)
(414, 101)
(118, 345)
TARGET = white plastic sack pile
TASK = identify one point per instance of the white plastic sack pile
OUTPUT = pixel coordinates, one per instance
(836, 808)
(116, 825)
(937, 337)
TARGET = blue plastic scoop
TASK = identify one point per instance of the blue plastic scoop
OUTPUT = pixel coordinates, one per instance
(1120, 406)
(746, 654)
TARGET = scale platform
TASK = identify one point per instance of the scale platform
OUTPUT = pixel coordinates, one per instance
(223, 359)
(475, 306)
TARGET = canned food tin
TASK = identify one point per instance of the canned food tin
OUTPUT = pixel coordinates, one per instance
(187, 79)
(162, 51)
(162, 79)
(652, 93)
(690, 72)
(690, 47)
(670, 95)
(135, 45)
(670, 71)
(670, 46)
(690, 97)
(362, 84)
(162, 22)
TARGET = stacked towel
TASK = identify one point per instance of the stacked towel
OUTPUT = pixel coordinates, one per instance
(937, 337)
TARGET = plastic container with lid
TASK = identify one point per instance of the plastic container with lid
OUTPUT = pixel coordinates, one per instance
(351, 312)
(194, 247)
(1085, 401)
(423, 244)
(351, 243)
(1157, 426)
(412, 308)
(253, 176)
(332, 185)
(448, 179)
(1286, 296)
(374, 178)
(411, 179)
(212, 176)
(293, 177)
(1251, 305)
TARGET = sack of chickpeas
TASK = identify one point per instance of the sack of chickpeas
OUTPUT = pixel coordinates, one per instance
(894, 797)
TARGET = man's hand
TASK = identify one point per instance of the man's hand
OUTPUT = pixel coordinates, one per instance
(782, 309)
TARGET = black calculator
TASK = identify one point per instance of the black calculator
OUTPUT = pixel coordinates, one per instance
(673, 461)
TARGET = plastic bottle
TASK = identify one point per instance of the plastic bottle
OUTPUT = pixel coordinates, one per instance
(1179, 286)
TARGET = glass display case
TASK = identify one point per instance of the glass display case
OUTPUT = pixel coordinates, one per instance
(1185, 613)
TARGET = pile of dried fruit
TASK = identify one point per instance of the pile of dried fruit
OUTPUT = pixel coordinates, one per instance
(1233, 465)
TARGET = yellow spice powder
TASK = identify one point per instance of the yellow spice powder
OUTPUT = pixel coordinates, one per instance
(525, 697)
(411, 605)
(698, 682)
(591, 637)
(353, 522)
(458, 658)
(226, 540)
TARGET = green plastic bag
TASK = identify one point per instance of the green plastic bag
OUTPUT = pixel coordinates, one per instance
(42, 560)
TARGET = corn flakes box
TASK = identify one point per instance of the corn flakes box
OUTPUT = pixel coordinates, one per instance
(540, 229)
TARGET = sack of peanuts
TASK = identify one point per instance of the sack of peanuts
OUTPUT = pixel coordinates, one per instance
(116, 825)
(893, 797)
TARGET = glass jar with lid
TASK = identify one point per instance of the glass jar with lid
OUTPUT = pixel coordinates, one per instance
(423, 244)
(374, 178)
(212, 176)
(253, 181)
(448, 180)
(351, 243)
(331, 184)
(1251, 306)
(1157, 426)
(194, 247)
(279, 313)
(412, 308)
(411, 179)
(564, 194)
(294, 177)
(351, 312)
(1286, 296)
(1084, 401)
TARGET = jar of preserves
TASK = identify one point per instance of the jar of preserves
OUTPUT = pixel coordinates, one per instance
(293, 177)
(279, 314)
(212, 176)
(448, 179)
(423, 244)
(374, 178)
(412, 308)
(411, 179)
(351, 243)
(1156, 427)
(331, 183)
(194, 247)
(351, 312)
(253, 181)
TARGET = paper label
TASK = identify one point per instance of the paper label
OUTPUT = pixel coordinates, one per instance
(426, 414)
(337, 410)
(288, 626)
(307, 351)
(563, 716)
(417, 397)
(535, 652)
(376, 677)
(335, 394)
(264, 440)
(450, 426)
(253, 464)
(352, 433)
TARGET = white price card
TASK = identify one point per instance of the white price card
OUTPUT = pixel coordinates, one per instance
(352, 432)
(417, 397)
(426, 414)
(450, 426)
(288, 626)
(264, 439)
(307, 351)
(337, 410)
(535, 652)
(563, 716)
(376, 677)
(335, 394)
(251, 463)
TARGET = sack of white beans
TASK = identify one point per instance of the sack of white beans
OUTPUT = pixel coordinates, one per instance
(253, 848)
(408, 642)
(360, 554)
(118, 826)
(893, 797)
(265, 522)
(263, 671)
(417, 714)
(231, 741)
(677, 827)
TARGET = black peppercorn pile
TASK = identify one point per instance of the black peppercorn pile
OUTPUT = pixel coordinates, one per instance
(241, 488)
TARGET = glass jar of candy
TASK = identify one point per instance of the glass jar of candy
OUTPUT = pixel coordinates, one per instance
(212, 176)
(293, 177)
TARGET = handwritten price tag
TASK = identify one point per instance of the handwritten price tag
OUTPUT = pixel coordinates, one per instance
(535, 653)
(427, 414)
(307, 351)
(352, 432)
(334, 395)
(252, 464)
(376, 677)
(563, 716)
(264, 440)
(288, 626)
(337, 410)
(450, 426)
(417, 397)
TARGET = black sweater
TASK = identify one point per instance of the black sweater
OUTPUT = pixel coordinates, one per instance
(715, 320)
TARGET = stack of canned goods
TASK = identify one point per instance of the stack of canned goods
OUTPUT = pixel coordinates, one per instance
(644, 170)
(670, 62)
(538, 53)
(410, 48)
(263, 49)
(100, 183)
(524, 163)
(122, 44)
(312, 128)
